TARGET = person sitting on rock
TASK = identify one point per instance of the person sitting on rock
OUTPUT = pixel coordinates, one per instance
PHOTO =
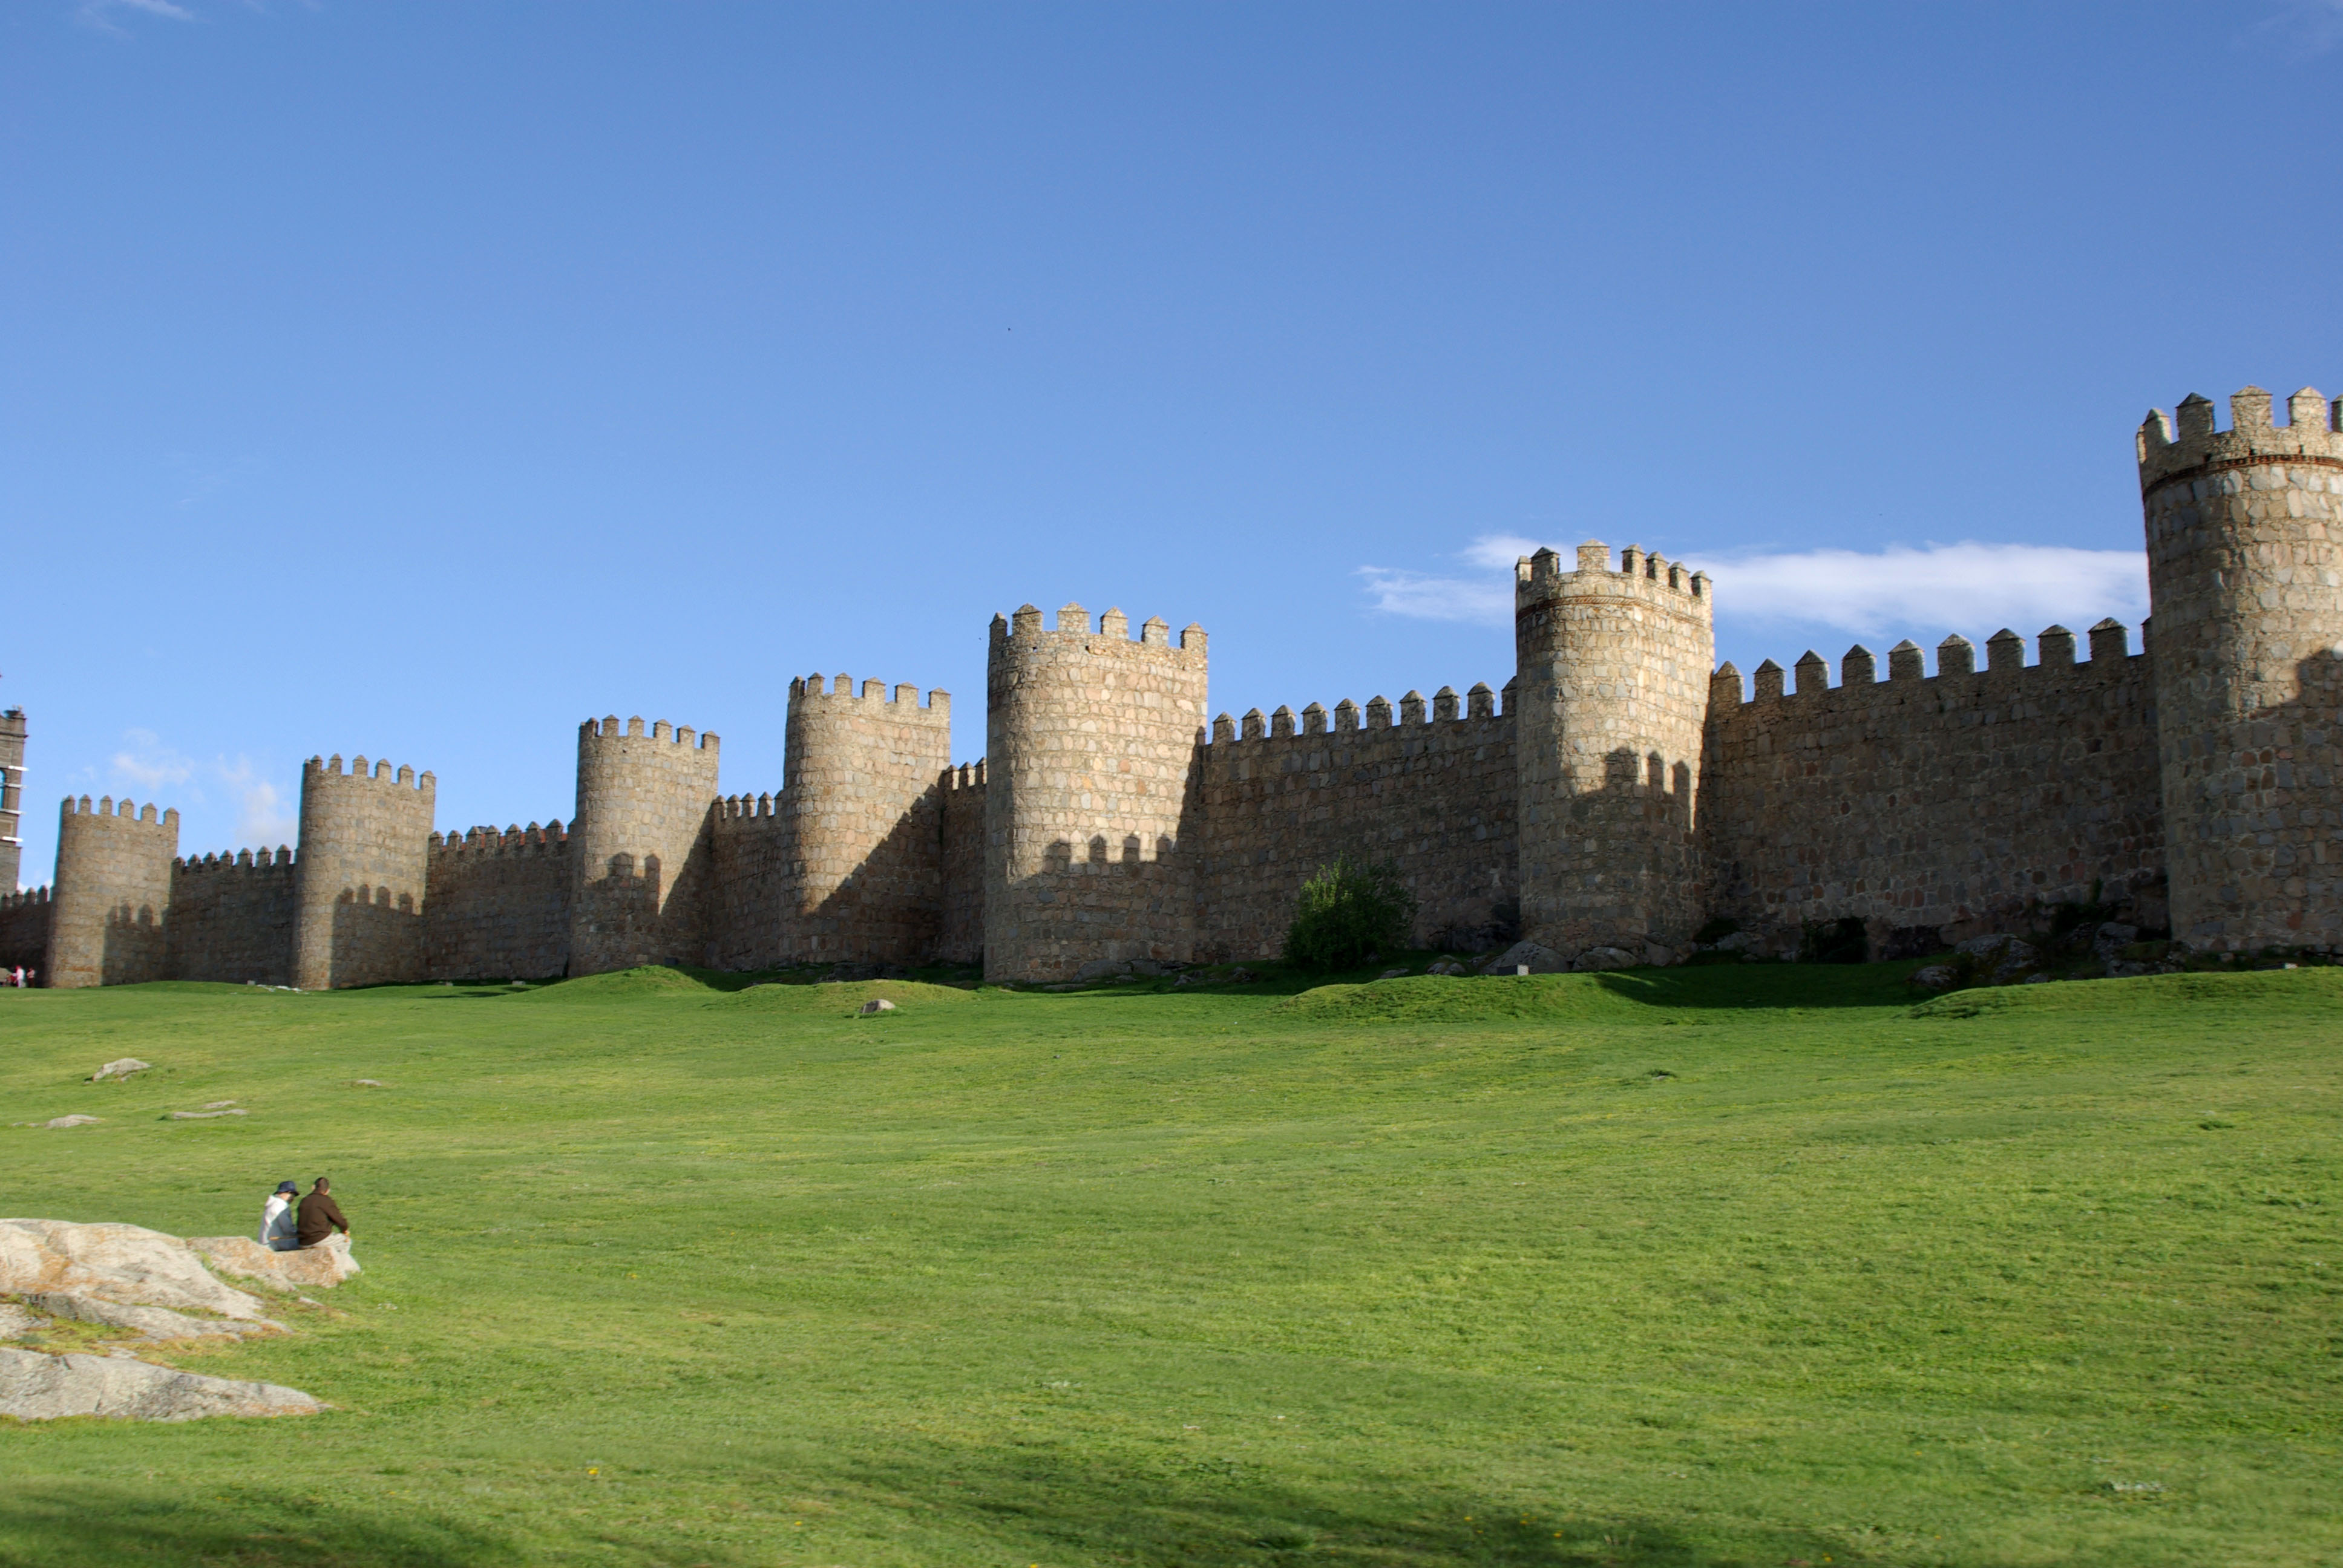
(279, 1232)
(320, 1215)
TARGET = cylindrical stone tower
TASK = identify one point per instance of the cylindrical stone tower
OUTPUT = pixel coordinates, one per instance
(113, 894)
(1090, 740)
(642, 846)
(2246, 582)
(1612, 691)
(863, 778)
(358, 880)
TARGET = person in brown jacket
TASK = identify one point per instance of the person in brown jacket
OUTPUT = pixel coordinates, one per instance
(320, 1215)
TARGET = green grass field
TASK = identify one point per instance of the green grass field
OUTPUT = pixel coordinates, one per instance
(1760, 1265)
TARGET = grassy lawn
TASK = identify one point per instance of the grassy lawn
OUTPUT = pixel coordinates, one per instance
(1759, 1265)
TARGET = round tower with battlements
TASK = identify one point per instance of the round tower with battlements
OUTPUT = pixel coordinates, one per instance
(641, 844)
(113, 894)
(358, 880)
(2244, 564)
(1091, 741)
(864, 775)
(1613, 692)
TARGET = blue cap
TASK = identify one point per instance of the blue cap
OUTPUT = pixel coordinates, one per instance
(288, 1187)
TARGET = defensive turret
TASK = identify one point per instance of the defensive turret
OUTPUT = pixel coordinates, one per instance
(641, 846)
(1613, 678)
(2244, 564)
(113, 894)
(359, 880)
(1090, 738)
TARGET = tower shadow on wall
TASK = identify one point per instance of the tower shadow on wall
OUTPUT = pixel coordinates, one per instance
(655, 923)
(136, 945)
(377, 939)
(889, 907)
(2271, 781)
(1638, 825)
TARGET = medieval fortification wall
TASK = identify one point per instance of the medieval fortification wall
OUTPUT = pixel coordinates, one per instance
(497, 904)
(1932, 801)
(1621, 796)
(231, 917)
(1428, 793)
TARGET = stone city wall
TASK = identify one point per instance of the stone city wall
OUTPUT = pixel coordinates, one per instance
(25, 931)
(752, 843)
(1947, 802)
(961, 939)
(1432, 794)
(497, 905)
(232, 918)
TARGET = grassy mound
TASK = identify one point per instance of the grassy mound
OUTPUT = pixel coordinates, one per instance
(2274, 993)
(1628, 996)
(647, 982)
(845, 998)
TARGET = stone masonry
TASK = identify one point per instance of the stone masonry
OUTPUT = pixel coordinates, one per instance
(1615, 798)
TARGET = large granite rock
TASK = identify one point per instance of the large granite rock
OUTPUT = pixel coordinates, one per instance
(1542, 960)
(321, 1266)
(125, 1263)
(2001, 958)
(154, 1323)
(37, 1386)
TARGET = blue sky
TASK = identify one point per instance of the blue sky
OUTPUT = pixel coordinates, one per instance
(418, 380)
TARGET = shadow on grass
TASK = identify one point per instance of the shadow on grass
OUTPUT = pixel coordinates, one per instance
(1206, 1512)
(59, 1524)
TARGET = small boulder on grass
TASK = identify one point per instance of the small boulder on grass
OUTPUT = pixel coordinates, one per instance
(122, 1067)
(875, 1005)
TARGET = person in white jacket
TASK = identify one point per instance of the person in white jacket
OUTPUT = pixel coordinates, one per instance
(279, 1233)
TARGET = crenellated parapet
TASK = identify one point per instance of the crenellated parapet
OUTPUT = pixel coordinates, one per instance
(1346, 717)
(549, 840)
(1907, 663)
(109, 918)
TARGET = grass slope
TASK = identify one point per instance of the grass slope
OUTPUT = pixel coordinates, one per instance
(1697, 1267)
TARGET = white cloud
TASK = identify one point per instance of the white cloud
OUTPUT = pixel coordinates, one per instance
(98, 14)
(262, 817)
(1970, 586)
(2307, 26)
(149, 764)
(1488, 601)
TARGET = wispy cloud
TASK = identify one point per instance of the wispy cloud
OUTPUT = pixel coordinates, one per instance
(149, 764)
(100, 14)
(2304, 26)
(262, 815)
(1969, 586)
